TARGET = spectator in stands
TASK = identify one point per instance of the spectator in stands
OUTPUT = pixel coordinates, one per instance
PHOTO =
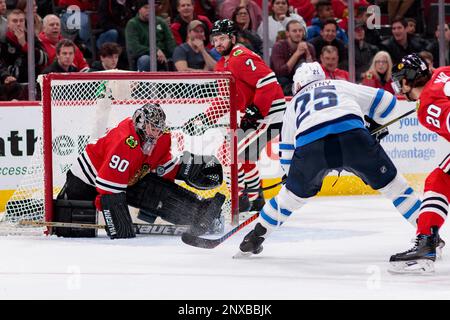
(411, 27)
(109, 56)
(10, 89)
(398, 8)
(433, 47)
(372, 35)
(14, 50)
(229, 6)
(290, 53)
(113, 16)
(278, 20)
(84, 9)
(65, 55)
(245, 34)
(400, 43)
(136, 36)
(324, 13)
(185, 15)
(3, 21)
(51, 35)
(163, 9)
(22, 5)
(305, 9)
(46, 7)
(379, 74)
(328, 37)
(329, 58)
(428, 58)
(364, 52)
(193, 55)
(340, 11)
(411, 30)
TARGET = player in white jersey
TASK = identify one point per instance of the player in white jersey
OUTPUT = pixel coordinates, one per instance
(323, 130)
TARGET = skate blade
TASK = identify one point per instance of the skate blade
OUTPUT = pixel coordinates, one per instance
(423, 266)
(438, 253)
(242, 255)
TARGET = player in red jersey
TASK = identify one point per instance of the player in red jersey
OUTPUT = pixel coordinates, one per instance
(260, 100)
(132, 165)
(412, 78)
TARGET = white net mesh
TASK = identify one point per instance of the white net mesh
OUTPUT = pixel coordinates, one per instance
(83, 110)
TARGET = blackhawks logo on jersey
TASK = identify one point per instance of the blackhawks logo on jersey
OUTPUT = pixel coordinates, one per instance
(131, 142)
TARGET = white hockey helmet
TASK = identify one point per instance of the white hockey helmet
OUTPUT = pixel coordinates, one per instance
(307, 73)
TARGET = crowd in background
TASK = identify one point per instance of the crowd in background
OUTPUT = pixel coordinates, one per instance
(111, 34)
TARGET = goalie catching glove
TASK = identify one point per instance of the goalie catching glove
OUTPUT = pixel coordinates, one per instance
(371, 125)
(200, 171)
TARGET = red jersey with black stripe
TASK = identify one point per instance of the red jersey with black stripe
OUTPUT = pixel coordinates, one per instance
(256, 83)
(434, 103)
(116, 160)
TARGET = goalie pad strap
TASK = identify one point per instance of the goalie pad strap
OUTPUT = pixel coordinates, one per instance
(117, 216)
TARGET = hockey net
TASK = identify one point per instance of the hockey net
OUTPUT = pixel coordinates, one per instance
(79, 108)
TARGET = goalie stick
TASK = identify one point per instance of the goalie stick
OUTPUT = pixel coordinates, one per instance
(199, 242)
(140, 228)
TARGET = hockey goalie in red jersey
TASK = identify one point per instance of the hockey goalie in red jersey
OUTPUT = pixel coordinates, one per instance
(132, 165)
(260, 100)
(412, 78)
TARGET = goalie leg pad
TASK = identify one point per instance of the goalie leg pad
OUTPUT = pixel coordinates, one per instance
(208, 220)
(166, 199)
(75, 211)
(117, 216)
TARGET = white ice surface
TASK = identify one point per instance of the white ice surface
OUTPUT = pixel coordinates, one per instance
(333, 248)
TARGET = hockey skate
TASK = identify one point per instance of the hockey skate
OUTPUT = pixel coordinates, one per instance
(419, 259)
(252, 243)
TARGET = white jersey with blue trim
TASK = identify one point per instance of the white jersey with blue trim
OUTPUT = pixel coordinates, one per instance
(329, 107)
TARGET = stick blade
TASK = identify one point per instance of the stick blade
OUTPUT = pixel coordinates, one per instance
(198, 242)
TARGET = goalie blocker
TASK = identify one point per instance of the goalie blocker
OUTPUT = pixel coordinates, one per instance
(155, 196)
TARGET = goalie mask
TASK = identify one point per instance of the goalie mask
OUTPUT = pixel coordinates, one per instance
(150, 124)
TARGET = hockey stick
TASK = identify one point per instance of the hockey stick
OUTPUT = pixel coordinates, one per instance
(217, 125)
(392, 121)
(198, 242)
(139, 228)
(283, 180)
